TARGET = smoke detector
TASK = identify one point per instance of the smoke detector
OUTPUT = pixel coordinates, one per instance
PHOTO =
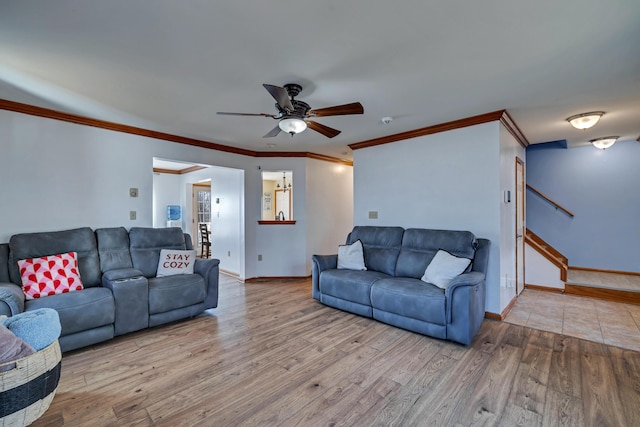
(386, 120)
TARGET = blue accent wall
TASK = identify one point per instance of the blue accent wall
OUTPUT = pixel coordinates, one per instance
(602, 189)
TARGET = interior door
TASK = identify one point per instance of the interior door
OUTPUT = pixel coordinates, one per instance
(520, 225)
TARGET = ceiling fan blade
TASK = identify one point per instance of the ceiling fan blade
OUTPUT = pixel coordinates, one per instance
(223, 113)
(325, 130)
(280, 95)
(273, 132)
(338, 110)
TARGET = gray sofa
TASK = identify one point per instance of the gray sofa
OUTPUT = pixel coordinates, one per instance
(391, 289)
(118, 270)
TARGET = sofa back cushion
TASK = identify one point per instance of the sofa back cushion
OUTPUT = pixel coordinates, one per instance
(420, 245)
(146, 244)
(381, 246)
(113, 247)
(4, 263)
(36, 245)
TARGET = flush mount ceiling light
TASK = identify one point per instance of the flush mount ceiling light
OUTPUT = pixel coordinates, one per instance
(605, 142)
(292, 125)
(585, 120)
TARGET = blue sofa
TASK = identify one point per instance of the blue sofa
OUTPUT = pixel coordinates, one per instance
(118, 270)
(391, 290)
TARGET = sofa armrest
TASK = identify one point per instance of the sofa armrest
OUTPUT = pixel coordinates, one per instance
(209, 269)
(11, 299)
(465, 306)
(321, 263)
(131, 295)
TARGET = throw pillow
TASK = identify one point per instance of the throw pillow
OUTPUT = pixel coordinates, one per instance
(173, 262)
(351, 257)
(443, 268)
(12, 348)
(50, 275)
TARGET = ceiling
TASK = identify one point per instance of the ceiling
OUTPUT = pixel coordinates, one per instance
(170, 66)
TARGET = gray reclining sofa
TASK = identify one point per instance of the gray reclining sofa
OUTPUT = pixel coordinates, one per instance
(391, 290)
(118, 270)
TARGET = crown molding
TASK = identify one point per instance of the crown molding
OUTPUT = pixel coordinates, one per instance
(118, 127)
(500, 115)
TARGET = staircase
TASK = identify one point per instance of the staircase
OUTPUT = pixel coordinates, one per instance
(550, 253)
(545, 268)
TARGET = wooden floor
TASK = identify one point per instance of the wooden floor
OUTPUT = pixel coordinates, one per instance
(271, 355)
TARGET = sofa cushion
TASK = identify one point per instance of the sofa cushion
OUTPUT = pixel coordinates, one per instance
(173, 292)
(50, 275)
(411, 298)
(350, 285)
(146, 244)
(351, 257)
(36, 245)
(443, 268)
(113, 247)
(79, 311)
(381, 246)
(419, 246)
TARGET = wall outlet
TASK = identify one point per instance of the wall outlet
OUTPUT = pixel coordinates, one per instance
(132, 215)
(373, 214)
(228, 253)
(259, 257)
(133, 192)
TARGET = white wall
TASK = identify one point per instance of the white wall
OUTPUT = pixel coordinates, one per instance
(540, 271)
(330, 210)
(450, 180)
(283, 247)
(58, 175)
(167, 190)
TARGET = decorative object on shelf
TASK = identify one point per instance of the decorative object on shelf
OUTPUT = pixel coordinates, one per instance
(605, 142)
(585, 120)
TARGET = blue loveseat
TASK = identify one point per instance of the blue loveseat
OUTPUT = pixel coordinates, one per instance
(391, 290)
(118, 270)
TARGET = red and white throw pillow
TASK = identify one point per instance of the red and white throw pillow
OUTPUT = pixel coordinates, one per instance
(50, 275)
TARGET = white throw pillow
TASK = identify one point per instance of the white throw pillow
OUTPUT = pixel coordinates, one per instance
(443, 268)
(351, 257)
(173, 262)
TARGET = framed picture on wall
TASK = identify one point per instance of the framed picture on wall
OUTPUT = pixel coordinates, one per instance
(267, 201)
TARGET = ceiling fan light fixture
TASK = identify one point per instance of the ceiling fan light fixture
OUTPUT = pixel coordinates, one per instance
(292, 125)
(585, 120)
(605, 142)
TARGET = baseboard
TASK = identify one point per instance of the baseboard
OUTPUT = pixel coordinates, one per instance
(267, 278)
(616, 295)
(230, 273)
(544, 288)
(505, 312)
(599, 270)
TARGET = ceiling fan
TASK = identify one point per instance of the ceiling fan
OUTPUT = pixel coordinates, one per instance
(293, 115)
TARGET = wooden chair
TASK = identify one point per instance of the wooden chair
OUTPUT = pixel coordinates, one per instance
(205, 242)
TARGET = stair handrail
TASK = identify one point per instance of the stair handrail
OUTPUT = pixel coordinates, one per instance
(557, 205)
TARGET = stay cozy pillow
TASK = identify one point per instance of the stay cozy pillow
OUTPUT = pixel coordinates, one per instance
(351, 257)
(50, 275)
(173, 262)
(443, 268)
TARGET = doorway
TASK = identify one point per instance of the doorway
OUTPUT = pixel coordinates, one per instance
(520, 225)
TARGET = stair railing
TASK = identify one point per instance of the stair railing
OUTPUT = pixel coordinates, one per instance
(548, 200)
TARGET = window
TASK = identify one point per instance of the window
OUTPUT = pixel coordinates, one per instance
(277, 196)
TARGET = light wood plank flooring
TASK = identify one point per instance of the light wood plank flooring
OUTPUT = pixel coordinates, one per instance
(271, 355)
